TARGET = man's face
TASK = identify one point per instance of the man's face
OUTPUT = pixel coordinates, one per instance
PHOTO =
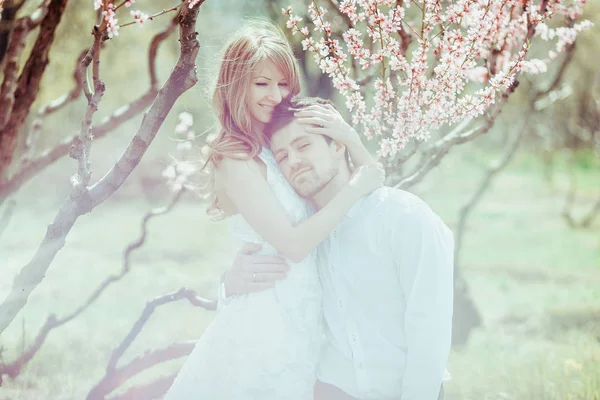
(308, 162)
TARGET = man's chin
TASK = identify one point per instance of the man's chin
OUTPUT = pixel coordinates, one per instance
(305, 190)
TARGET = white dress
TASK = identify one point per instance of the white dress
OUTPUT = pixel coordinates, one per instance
(261, 345)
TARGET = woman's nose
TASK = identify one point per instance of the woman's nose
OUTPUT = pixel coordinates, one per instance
(275, 94)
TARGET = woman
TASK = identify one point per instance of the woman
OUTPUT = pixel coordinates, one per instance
(265, 345)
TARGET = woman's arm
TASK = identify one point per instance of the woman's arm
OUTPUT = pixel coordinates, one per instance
(254, 199)
(324, 119)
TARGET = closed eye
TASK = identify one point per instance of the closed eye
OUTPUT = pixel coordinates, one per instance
(281, 159)
(303, 146)
(261, 84)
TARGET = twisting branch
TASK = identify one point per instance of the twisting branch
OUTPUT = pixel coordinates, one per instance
(11, 70)
(51, 108)
(82, 200)
(434, 154)
(48, 16)
(567, 211)
(15, 48)
(148, 391)
(405, 37)
(82, 147)
(13, 369)
(114, 377)
(152, 17)
(490, 173)
(7, 215)
(29, 167)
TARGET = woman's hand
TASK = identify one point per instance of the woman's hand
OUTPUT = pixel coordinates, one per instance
(367, 178)
(324, 119)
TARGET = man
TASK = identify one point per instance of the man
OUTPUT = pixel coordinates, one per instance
(386, 272)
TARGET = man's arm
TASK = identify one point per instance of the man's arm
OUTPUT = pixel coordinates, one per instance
(425, 262)
(251, 272)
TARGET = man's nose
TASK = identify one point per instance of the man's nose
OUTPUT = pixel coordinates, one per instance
(293, 160)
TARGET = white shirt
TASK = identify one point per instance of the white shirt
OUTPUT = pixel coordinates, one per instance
(387, 276)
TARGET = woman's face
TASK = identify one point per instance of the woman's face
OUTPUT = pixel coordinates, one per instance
(268, 87)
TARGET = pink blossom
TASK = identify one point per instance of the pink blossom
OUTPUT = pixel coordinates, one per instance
(98, 4)
(445, 75)
(112, 26)
(139, 17)
(129, 3)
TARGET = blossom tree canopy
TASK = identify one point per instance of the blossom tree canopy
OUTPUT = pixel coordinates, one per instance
(432, 63)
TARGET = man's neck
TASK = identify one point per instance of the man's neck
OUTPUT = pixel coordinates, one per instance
(332, 188)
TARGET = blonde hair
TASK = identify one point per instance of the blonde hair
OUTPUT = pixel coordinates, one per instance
(255, 42)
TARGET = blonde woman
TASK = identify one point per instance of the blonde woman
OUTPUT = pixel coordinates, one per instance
(265, 345)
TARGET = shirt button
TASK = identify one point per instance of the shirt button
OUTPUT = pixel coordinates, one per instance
(360, 365)
(341, 305)
(354, 338)
(333, 267)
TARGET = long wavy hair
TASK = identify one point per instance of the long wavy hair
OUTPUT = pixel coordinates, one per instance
(236, 137)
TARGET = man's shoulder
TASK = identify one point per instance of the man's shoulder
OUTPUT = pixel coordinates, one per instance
(395, 201)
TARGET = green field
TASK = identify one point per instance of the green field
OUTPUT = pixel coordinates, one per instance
(535, 280)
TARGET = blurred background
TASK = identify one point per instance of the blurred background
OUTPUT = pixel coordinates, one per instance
(529, 251)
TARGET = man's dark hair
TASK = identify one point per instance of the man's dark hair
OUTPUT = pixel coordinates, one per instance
(283, 114)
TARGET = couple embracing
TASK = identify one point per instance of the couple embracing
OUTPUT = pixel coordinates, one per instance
(343, 289)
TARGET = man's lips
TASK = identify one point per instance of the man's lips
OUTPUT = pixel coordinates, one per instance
(300, 172)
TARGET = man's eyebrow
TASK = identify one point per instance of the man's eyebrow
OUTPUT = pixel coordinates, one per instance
(299, 138)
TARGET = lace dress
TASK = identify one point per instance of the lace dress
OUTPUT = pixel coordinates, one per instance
(261, 345)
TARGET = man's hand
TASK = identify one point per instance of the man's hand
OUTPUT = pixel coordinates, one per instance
(252, 272)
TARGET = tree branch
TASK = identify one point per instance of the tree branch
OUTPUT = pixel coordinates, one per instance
(30, 167)
(7, 215)
(13, 369)
(28, 85)
(490, 173)
(114, 377)
(81, 200)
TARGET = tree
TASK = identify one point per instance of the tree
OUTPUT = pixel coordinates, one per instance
(411, 72)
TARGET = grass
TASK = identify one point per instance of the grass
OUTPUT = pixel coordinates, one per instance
(535, 281)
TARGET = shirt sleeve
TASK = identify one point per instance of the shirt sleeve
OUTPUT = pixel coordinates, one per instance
(425, 256)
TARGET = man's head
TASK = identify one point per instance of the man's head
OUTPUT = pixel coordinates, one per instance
(309, 161)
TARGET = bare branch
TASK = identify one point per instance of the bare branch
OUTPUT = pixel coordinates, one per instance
(7, 215)
(11, 69)
(32, 166)
(52, 107)
(435, 153)
(405, 37)
(569, 53)
(114, 377)
(152, 17)
(83, 145)
(48, 16)
(79, 202)
(14, 368)
(490, 173)
(567, 212)
(148, 391)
